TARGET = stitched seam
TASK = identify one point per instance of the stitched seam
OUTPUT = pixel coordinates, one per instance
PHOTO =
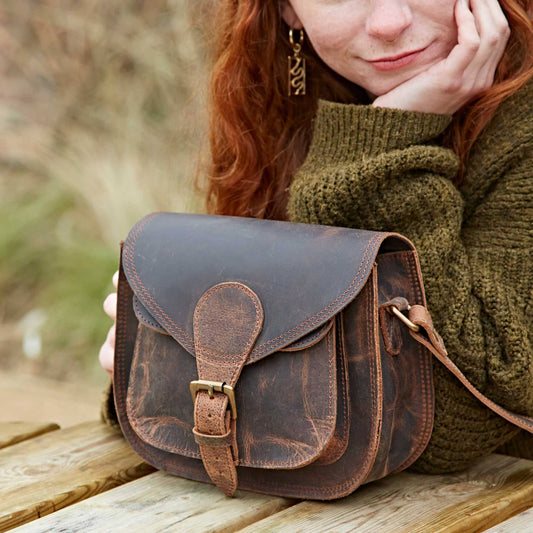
(331, 359)
(135, 419)
(424, 374)
(253, 338)
(422, 440)
(126, 427)
(310, 342)
(144, 320)
(346, 418)
(371, 246)
(374, 374)
(341, 298)
(159, 312)
(331, 417)
(347, 484)
(412, 271)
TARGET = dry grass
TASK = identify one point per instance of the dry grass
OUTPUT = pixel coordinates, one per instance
(102, 120)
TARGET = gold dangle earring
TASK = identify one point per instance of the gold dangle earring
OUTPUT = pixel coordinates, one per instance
(296, 66)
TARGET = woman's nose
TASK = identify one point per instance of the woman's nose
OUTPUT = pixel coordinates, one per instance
(388, 19)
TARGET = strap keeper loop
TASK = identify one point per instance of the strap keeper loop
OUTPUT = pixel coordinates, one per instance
(202, 439)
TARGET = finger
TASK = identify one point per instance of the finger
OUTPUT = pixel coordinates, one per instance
(115, 279)
(494, 34)
(110, 305)
(111, 334)
(492, 25)
(498, 15)
(468, 40)
(106, 357)
(488, 37)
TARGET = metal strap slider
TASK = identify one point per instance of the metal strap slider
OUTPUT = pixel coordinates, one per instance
(404, 319)
(215, 386)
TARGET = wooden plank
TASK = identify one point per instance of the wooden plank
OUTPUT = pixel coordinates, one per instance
(161, 502)
(36, 398)
(15, 432)
(60, 468)
(522, 523)
(492, 490)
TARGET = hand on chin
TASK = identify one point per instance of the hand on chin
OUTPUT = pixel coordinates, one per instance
(467, 71)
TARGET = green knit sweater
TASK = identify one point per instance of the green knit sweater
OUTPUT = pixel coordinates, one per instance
(383, 169)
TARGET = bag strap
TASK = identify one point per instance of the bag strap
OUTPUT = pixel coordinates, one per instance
(421, 328)
(227, 321)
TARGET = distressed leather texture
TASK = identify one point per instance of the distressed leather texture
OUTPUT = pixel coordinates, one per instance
(328, 395)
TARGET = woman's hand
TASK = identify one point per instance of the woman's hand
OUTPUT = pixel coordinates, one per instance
(469, 69)
(107, 351)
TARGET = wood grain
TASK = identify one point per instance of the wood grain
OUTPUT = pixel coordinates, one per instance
(522, 523)
(36, 398)
(60, 468)
(491, 491)
(15, 432)
(161, 502)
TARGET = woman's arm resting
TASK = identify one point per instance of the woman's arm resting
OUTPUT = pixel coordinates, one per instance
(476, 272)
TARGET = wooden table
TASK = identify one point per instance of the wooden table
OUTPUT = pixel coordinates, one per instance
(86, 478)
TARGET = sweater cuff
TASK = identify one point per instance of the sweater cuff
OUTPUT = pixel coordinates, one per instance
(345, 132)
(108, 414)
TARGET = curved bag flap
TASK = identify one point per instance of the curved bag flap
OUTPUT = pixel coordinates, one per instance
(303, 275)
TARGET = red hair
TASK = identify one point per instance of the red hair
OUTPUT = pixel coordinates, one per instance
(259, 136)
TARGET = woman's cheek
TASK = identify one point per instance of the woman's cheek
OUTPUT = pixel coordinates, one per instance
(331, 49)
(439, 17)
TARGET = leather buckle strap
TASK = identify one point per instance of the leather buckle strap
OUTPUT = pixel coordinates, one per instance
(227, 321)
(426, 334)
(215, 386)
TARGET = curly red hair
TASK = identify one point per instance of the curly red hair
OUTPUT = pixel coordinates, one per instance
(259, 136)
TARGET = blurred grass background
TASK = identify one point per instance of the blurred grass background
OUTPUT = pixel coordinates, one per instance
(102, 120)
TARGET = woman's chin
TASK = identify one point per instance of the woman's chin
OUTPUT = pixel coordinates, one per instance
(380, 87)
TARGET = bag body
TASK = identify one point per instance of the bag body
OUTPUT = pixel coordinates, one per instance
(252, 353)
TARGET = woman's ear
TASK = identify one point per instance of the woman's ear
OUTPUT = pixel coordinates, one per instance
(289, 15)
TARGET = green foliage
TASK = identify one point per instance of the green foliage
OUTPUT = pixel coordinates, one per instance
(104, 119)
(27, 223)
(76, 324)
(47, 263)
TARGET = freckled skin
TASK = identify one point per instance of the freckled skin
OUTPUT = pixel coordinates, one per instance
(346, 34)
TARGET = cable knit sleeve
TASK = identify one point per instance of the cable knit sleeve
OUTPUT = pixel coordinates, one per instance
(383, 169)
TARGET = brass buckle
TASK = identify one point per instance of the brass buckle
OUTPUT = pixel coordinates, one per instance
(215, 386)
(404, 319)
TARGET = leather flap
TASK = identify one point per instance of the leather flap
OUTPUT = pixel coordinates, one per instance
(303, 274)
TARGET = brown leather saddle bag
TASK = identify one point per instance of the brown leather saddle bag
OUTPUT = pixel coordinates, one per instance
(282, 358)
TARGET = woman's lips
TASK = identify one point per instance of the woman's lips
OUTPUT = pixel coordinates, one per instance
(395, 62)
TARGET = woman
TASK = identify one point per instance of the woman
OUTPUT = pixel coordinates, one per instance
(417, 118)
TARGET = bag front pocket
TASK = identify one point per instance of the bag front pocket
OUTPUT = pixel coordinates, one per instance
(286, 402)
